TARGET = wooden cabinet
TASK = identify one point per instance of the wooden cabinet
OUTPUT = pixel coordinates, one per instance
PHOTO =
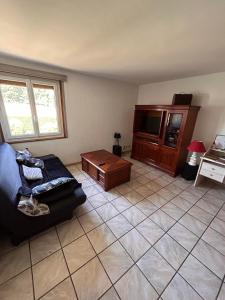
(161, 134)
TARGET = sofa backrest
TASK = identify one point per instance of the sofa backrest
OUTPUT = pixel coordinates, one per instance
(10, 180)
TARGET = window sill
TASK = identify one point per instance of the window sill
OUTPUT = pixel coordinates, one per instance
(30, 140)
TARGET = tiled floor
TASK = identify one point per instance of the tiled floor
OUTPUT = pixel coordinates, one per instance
(156, 237)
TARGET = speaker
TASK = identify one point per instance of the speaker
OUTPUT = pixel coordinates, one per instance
(182, 99)
(117, 150)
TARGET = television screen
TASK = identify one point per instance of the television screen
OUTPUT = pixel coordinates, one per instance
(151, 124)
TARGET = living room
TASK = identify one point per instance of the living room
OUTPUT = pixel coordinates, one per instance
(148, 223)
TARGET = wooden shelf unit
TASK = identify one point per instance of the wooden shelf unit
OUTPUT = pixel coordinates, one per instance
(167, 149)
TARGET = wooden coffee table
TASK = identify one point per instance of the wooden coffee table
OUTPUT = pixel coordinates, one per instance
(106, 168)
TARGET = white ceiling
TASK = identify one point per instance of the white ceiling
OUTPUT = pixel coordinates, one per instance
(132, 40)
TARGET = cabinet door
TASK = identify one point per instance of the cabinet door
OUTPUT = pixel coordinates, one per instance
(168, 159)
(150, 152)
(144, 150)
(173, 128)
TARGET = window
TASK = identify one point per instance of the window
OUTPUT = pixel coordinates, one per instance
(30, 109)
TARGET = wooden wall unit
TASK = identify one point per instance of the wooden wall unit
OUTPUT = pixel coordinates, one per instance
(161, 134)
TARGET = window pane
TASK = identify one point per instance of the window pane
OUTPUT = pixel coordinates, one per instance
(45, 102)
(17, 106)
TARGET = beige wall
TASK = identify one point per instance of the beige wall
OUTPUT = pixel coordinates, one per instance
(209, 93)
(95, 107)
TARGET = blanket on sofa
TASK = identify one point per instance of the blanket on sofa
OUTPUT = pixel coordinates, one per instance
(30, 207)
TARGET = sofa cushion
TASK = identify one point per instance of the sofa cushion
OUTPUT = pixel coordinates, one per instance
(32, 173)
(55, 189)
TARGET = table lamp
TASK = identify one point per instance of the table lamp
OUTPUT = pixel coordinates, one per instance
(195, 147)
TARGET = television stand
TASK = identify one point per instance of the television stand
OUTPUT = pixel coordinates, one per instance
(174, 124)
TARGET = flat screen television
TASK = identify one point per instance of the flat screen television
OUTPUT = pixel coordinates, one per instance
(151, 124)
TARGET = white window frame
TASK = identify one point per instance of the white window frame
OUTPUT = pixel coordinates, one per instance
(37, 135)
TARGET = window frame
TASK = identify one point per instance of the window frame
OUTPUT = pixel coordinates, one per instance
(60, 110)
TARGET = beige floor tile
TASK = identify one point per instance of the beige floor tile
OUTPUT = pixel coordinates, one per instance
(134, 215)
(144, 191)
(101, 237)
(134, 197)
(181, 203)
(133, 285)
(200, 278)
(193, 224)
(91, 281)
(78, 253)
(215, 239)
(168, 195)
(111, 195)
(98, 200)
(221, 215)
(121, 204)
(107, 211)
(173, 211)
(90, 191)
(147, 207)
(210, 257)
(201, 214)
(44, 245)
(63, 291)
(48, 273)
(99, 188)
(207, 206)
(150, 231)
(162, 181)
(83, 209)
(183, 183)
(154, 186)
(156, 269)
(151, 176)
(222, 293)
(18, 288)
(135, 244)
(162, 219)
(171, 251)
(157, 200)
(212, 199)
(179, 289)
(90, 220)
(218, 192)
(174, 188)
(123, 189)
(218, 225)
(69, 231)
(115, 261)
(111, 294)
(183, 236)
(14, 262)
(191, 197)
(141, 180)
(119, 225)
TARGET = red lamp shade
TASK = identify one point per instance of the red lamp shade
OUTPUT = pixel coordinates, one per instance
(196, 146)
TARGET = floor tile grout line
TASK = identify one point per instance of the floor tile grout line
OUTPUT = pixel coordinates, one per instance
(31, 270)
(66, 261)
(189, 253)
(96, 255)
(100, 225)
(128, 220)
(223, 282)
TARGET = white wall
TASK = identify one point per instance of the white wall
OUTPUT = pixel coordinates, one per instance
(95, 109)
(209, 93)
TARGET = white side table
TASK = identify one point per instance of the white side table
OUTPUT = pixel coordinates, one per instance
(211, 167)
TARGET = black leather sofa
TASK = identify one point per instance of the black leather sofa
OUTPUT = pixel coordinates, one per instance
(17, 224)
